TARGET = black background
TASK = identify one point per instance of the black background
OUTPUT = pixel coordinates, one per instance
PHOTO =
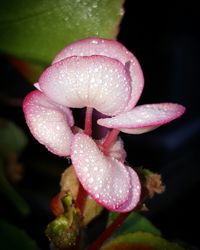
(165, 38)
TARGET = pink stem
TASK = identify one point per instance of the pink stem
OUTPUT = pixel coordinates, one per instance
(108, 232)
(88, 121)
(81, 198)
(110, 139)
(82, 194)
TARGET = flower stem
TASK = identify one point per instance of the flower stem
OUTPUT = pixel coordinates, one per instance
(108, 231)
(88, 121)
(82, 195)
(120, 219)
(81, 198)
(110, 139)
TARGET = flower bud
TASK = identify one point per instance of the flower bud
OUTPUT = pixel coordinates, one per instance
(64, 230)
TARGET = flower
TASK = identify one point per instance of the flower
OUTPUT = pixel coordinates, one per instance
(103, 75)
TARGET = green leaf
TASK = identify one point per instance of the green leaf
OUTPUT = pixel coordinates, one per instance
(12, 237)
(37, 30)
(134, 223)
(140, 241)
(13, 139)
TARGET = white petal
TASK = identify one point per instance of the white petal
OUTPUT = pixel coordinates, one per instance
(134, 196)
(49, 123)
(95, 81)
(104, 178)
(112, 49)
(144, 118)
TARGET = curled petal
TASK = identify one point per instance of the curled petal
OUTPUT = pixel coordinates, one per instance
(112, 49)
(106, 179)
(144, 118)
(49, 123)
(95, 81)
(134, 196)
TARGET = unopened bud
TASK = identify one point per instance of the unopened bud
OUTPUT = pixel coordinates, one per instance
(64, 230)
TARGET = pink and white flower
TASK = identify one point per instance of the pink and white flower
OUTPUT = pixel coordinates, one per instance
(103, 75)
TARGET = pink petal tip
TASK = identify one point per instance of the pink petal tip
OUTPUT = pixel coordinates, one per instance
(144, 118)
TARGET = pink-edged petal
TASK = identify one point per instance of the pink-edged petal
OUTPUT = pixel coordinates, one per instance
(95, 81)
(137, 82)
(112, 49)
(134, 196)
(49, 123)
(144, 118)
(104, 178)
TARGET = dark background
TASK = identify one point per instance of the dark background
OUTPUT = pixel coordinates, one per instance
(165, 39)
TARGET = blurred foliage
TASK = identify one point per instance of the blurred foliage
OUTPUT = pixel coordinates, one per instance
(133, 223)
(11, 194)
(37, 30)
(13, 141)
(140, 241)
(12, 237)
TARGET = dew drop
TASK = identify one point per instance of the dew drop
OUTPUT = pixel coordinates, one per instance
(91, 180)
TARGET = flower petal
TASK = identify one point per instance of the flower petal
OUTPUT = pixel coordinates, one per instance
(104, 178)
(49, 123)
(112, 49)
(144, 118)
(134, 196)
(95, 81)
